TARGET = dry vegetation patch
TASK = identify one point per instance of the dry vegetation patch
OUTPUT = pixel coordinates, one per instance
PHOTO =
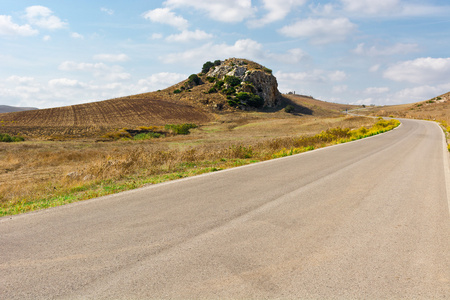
(42, 174)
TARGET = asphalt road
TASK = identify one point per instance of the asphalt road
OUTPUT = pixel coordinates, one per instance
(368, 220)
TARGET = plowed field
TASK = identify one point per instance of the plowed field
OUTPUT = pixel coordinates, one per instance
(92, 119)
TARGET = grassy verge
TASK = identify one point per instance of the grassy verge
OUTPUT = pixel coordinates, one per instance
(132, 169)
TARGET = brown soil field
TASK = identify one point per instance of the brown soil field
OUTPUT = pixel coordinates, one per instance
(94, 119)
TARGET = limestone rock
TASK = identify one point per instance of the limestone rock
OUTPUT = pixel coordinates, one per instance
(255, 78)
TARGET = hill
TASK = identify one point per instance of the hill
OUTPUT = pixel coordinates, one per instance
(7, 108)
(437, 108)
(309, 105)
(232, 86)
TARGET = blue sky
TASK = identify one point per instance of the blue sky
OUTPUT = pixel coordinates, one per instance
(56, 53)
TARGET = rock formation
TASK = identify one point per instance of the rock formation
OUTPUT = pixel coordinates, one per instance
(254, 78)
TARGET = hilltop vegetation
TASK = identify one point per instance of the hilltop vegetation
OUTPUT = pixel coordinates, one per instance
(223, 87)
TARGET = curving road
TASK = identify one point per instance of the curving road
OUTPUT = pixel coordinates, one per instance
(368, 219)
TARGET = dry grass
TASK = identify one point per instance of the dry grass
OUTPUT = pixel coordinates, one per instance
(34, 173)
(436, 109)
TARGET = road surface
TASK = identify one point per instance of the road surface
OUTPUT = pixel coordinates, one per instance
(367, 219)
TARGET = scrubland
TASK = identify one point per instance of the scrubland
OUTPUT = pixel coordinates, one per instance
(40, 174)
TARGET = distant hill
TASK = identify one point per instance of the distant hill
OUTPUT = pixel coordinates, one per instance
(7, 108)
(437, 108)
(230, 86)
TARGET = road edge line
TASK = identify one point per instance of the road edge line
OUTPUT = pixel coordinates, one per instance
(446, 165)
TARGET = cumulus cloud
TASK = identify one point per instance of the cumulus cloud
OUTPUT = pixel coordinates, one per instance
(399, 48)
(107, 11)
(276, 10)
(230, 11)
(157, 36)
(187, 36)
(320, 31)
(376, 90)
(313, 76)
(374, 68)
(21, 80)
(166, 16)
(43, 17)
(340, 89)
(76, 35)
(371, 6)
(159, 81)
(242, 48)
(291, 56)
(424, 70)
(337, 76)
(8, 27)
(100, 70)
(65, 82)
(111, 57)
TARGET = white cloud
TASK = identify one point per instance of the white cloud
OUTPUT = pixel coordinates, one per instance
(43, 17)
(65, 82)
(366, 101)
(76, 35)
(7, 27)
(242, 48)
(46, 38)
(187, 36)
(112, 57)
(291, 56)
(400, 8)
(21, 80)
(337, 76)
(229, 11)
(340, 89)
(313, 76)
(425, 70)
(371, 6)
(399, 48)
(159, 81)
(320, 31)
(166, 16)
(277, 10)
(374, 68)
(322, 9)
(157, 36)
(376, 90)
(107, 11)
(99, 70)
(420, 93)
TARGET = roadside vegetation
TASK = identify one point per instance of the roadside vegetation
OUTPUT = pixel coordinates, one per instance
(44, 174)
(6, 138)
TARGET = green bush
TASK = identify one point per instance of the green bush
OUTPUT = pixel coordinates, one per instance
(267, 70)
(233, 102)
(180, 128)
(6, 138)
(219, 84)
(146, 136)
(217, 62)
(207, 66)
(212, 90)
(289, 109)
(229, 91)
(211, 79)
(250, 99)
(194, 79)
(232, 80)
(177, 91)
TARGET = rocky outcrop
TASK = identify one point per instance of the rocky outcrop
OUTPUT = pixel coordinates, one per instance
(255, 79)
